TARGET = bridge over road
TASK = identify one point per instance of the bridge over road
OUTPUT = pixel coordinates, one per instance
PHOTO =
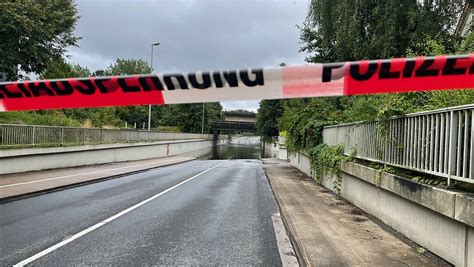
(236, 122)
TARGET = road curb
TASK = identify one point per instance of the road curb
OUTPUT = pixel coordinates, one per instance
(298, 249)
(73, 185)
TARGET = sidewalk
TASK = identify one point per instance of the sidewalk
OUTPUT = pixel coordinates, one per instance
(328, 231)
(19, 184)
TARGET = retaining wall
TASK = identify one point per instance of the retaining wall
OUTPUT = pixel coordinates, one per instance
(441, 221)
(34, 159)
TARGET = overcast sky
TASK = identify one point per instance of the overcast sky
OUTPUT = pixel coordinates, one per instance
(194, 35)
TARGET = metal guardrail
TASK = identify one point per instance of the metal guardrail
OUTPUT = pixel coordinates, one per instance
(14, 136)
(438, 142)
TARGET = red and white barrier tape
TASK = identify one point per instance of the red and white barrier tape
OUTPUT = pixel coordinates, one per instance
(333, 79)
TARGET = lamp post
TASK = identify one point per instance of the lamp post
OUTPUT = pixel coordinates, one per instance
(151, 66)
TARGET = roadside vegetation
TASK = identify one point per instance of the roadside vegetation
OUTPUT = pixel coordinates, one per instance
(33, 46)
(338, 31)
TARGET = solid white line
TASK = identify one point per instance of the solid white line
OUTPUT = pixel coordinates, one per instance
(80, 174)
(104, 222)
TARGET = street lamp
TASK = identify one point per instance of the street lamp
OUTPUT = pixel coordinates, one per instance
(151, 66)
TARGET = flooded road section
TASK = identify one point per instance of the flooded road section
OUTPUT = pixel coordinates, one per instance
(247, 147)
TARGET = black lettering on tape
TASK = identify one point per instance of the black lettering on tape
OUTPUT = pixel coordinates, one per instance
(89, 88)
(155, 81)
(65, 89)
(127, 88)
(206, 80)
(355, 71)
(230, 78)
(327, 71)
(225, 77)
(424, 71)
(409, 67)
(258, 80)
(217, 79)
(40, 88)
(385, 72)
(8, 94)
(471, 70)
(175, 81)
(451, 69)
(24, 90)
(99, 82)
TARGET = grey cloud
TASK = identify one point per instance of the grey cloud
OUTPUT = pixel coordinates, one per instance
(194, 35)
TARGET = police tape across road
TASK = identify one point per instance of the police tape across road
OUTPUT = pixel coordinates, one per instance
(315, 80)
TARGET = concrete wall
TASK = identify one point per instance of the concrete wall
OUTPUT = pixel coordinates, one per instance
(22, 160)
(230, 118)
(276, 149)
(270, 150)
(441, 221)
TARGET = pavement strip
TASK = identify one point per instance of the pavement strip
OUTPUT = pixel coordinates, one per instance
(81, 174)
(285, 248)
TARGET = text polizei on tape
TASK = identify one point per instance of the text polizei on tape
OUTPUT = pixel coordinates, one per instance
(314, 80)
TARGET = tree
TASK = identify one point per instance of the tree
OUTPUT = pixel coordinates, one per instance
(132, 114)
(268, 114)
(34, 33)
(59, 68)
(354, 30)
(128, 67)
(98, 117)
(348, 30)
(189, 116)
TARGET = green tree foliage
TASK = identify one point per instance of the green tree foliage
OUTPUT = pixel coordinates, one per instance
(186, 117)
(354, 30)
(86, 116)
(59, 68)
(268, 116)
(128, 67)
(303, 119)
(269, 112)
(133, 115)
(189, 116)
(35, 32)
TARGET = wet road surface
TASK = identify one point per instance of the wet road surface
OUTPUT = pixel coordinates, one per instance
(220, 216)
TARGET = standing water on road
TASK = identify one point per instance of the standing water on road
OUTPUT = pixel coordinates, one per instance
(247, 147)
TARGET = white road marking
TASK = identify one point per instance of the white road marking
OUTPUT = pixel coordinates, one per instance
(80, 174)
(106, 221)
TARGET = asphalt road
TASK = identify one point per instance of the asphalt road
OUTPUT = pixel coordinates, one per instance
(221, 216)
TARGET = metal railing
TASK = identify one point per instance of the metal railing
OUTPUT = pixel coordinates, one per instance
(438, 142)
(15, 136)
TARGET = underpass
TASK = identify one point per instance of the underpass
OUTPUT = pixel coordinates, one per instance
(221, 216)
(218, 208)
(202, 211)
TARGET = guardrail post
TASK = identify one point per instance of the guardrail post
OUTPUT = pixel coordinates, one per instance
(101, 136)
(62, 136)
(83, 136)
(33, 136)
(452, 145)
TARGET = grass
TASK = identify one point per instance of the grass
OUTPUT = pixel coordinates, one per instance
(32, 118)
